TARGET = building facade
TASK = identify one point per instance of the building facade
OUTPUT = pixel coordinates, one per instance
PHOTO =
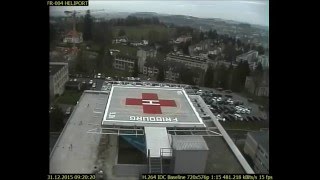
(59, 75)
(73, 37)
(251, 57)
(124, 63)
(189, 61)
(143, 53)
(150, 71)
(259, 89)
(264, 60)
(257, 148)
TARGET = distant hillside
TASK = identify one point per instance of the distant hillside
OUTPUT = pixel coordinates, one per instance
(179, 20)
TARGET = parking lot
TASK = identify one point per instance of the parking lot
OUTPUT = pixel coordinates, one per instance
(232, 108)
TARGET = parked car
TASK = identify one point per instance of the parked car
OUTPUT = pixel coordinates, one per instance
(220, 118)
(255, 118)
(261, 108)
(250, 100)
(250, 118)
(238, 116)
(261, 119)
(228, 91)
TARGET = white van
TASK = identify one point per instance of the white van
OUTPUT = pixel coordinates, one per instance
(68, 111)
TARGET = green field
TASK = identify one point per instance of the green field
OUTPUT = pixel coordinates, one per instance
(139, 32)
(69, 97)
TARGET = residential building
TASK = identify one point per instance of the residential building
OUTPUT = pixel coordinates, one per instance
(171, 75)
(259, 88)
(150, 71)
(143, 53)
(264, 60)
(73, 37)
(257, 148)
(136, 43)
(183, 39)
(121, 39)
(59, 75)
(189, 61)
(250, 57)
(123, 63)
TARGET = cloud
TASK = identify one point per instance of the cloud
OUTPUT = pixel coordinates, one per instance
(261, 2)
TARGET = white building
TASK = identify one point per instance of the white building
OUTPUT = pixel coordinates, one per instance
(259, 89)
(59, 75)
(123, 63)
(250, 56)
(73, 37)
(142, 55)
(257, 147)
(150, 71)
(189, 61)
(183, 39)
(264, 60)
(121, 39)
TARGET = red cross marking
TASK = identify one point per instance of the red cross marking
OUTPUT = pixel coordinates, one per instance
(150, 103)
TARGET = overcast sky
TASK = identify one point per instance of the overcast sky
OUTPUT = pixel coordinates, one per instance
(251, 11)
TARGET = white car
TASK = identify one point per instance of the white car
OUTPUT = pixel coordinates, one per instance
(91, 82)
(238, 116)
(94, 85)
(220, 118)
(75, 80)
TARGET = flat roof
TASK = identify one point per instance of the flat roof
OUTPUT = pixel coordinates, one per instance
(54, 68)
(150, 106)
(156, 138)
(82, 156)
(189, 143)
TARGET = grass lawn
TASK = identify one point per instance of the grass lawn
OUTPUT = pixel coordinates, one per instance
(137, 32)
(69, 97)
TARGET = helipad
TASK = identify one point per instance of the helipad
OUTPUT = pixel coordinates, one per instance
(150, 106)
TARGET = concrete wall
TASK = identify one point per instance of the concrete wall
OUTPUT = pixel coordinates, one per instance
(190, 161)
(261, 161)
(250, 147)
(130, 169)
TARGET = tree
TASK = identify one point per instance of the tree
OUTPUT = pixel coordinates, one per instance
(56, 119)
(102, 33)
(121, 32)
(208, 78)
(100, 63)
(135, 72)
(222, 76)
(257, 76)
(87, 31)
(161, 74)
(230, 75)
(260, 50)
(153, 36)
(201, 36)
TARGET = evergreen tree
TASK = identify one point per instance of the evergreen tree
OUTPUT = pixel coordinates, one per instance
(56, 119)
(161, 74)
(121, 32)
(87, 31)
(135, 69)
(208, 78)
